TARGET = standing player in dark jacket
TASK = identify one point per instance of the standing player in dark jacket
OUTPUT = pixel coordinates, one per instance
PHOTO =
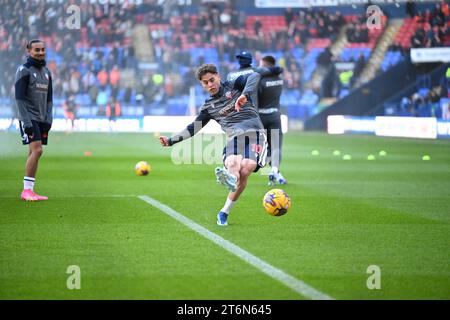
(246, 149)
(33, 93)
(245, 60)
(270, 89)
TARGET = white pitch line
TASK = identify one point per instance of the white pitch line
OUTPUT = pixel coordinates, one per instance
(80, 196)
(273, 272)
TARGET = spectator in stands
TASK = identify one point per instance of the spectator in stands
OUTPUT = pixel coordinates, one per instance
(150, 88)
(437, 17)
(241, 19)
(344, 81)
(445, 32)
(214, 15)
(70, 111)
(445, 105)
(102, 100)
(405, 107)
(436, 37)
(357, 70)
(88, 80)
(445, 8)
(325, 58)
(225, 19)
(257, 26)
(417, 101)
(410, 8)
(74, 82)
(329, 82)
(186, 21)
(102, 77)
(425, 16)
(350, 32)
(434, 101)
(418, 39)
(114, 79)
(113, 111)
(288, 16)
(364, 33)
(357, 33)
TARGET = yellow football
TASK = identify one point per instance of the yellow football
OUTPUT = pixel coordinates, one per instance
(142, 168)
(276, 202)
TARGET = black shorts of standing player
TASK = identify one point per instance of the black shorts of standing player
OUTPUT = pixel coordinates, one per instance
(272, 124)
(250, 145)
(40, 132)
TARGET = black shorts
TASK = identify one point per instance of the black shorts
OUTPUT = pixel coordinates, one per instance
(251, 145)
(40, 132)
(272, 125)
(271, 120)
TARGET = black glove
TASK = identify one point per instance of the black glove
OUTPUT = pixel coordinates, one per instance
(46, 127)
(28, 130)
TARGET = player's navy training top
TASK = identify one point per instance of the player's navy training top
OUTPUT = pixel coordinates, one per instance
(34, 93)
(272, 72)
(269, 93)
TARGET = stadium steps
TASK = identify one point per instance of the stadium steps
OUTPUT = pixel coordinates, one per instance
(336, 48)
(375, 60)
(142, 44)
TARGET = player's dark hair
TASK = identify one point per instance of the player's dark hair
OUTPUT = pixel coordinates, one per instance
(30, 43)
(204, 69)
(269, 59)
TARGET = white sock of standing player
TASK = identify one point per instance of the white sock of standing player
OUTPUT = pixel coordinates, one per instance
(275, 149)
(28, 183)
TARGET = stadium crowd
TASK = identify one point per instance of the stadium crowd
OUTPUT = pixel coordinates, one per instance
(434, 30)
(93, 63)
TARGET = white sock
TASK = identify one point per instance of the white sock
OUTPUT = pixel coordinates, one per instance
(274, 169)
(28, 183)
(228, 205)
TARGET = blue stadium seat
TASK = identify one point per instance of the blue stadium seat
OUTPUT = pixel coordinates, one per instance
(177, 108)
(425, 111)
(423, 92)
(404, 113)
(344, 92)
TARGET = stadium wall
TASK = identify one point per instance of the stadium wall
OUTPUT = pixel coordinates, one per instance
(366, 98)
(434, 77)
(152, 124)
(405, 127)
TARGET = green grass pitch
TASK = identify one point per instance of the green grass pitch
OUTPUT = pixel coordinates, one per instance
(393, 212)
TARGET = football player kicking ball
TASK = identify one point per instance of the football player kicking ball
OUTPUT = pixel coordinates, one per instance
(246, 148)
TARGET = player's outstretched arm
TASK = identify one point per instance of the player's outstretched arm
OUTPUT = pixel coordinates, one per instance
(192, 129)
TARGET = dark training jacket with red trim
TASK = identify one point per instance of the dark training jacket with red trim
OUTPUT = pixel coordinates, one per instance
(34, 93)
